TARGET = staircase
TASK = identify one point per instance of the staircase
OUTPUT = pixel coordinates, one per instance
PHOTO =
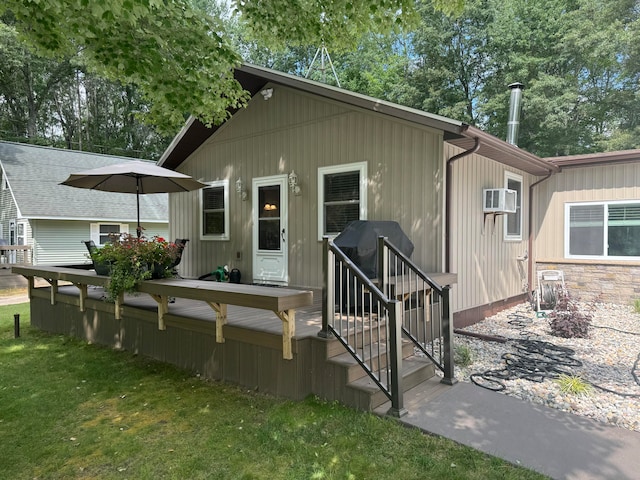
(380, 337)
(359, 390)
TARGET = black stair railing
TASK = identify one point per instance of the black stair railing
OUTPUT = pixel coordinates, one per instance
(365, 321)
(426, 313)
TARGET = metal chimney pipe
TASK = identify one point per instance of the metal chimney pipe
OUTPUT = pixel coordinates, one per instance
(513, 125)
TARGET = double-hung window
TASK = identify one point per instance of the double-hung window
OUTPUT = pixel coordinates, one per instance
(342, 197)
(602, 230)
(214, 211)
(100, 232)
(513, 221)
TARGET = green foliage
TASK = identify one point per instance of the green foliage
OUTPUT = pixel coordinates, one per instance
(132, 260)
(181, 61)
(75, 410)
(462, 356)
(636, 305)
(567, 319)
(573, 384)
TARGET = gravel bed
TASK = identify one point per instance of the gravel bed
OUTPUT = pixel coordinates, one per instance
(607, 357)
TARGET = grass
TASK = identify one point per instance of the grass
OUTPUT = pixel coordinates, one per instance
(573, 384)
(636, 305)
(462, 356)
(69, 409)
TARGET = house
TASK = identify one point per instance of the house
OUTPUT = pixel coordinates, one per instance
(36, 211)
(587, 220)
(303, 159)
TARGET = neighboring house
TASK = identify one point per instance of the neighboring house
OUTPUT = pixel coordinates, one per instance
(303, 159)
(55, 219)
(588, 225)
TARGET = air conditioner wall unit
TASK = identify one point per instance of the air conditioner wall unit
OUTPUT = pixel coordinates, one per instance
(499, 200)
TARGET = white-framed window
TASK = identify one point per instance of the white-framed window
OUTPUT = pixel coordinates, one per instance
(602, 230)
(342, 197)
(214, 211)
(100, 231)
(513, 221)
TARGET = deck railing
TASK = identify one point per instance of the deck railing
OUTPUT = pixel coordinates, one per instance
(426, 314)
(369, 316)
(15, 255)
(365, 321)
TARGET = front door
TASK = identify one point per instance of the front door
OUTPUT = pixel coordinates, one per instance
(270, 259)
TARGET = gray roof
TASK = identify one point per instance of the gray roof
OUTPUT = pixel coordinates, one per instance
(467, 137)
(34, 174)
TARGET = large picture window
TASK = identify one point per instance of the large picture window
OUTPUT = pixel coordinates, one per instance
(597, 230)
(513, 221)
(214, 211)
(342, 197)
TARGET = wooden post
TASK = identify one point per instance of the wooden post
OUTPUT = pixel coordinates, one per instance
(328, 288)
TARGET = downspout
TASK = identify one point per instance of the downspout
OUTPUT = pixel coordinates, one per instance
(530, 240)
(447, 202)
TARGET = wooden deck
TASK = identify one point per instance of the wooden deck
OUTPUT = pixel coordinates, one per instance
(254, 351)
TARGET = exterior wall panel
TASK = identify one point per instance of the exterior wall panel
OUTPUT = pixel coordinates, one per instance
(297, 131)
(603, 280)
(487, 266)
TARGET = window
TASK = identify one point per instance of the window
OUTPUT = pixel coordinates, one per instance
(513, 221)
(342, 197)
(596, 230)
(100, 231)
(214, 206)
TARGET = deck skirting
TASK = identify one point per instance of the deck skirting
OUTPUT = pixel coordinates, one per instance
(248, 357)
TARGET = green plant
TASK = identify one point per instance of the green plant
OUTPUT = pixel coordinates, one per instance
(573, 384)
(132, 260)
(636, 305)
(567, 319)
(462, 356)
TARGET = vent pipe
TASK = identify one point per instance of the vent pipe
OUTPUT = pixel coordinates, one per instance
(513, 125)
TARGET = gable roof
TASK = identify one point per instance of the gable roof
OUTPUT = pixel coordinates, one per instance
(34, 174)
(253, 79)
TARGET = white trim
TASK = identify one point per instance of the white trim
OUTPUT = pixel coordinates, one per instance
(519, 207)
(361, 167)
(225, 235)
(605, 233)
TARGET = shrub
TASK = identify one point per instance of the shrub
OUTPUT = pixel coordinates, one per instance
(567, 320)
(636, 306)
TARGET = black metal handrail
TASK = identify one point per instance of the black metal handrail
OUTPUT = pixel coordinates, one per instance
(366, 321)
(426, 314)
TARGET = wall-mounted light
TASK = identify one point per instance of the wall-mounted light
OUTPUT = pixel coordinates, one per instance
(293, 183)
(266, 93)
(242, 193)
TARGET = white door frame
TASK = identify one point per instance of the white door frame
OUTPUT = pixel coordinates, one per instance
(271, 265)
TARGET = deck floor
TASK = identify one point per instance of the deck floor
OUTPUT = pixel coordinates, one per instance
(308, 319)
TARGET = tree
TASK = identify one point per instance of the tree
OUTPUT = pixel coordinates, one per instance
(180, 58)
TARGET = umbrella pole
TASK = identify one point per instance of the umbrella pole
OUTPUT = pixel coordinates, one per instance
(138, 227)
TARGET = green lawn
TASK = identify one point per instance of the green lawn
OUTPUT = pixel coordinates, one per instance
(73, 410)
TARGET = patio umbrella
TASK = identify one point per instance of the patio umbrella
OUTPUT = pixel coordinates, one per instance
(133, 177)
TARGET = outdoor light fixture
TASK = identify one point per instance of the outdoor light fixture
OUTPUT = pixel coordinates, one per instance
(293, 183)
(240, 189)
(267, 93)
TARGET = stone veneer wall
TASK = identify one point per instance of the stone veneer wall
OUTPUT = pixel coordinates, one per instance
(608, 283)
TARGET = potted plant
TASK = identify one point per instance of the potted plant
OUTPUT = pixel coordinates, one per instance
(130, 260)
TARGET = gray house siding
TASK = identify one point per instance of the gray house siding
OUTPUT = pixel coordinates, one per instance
(59, 242)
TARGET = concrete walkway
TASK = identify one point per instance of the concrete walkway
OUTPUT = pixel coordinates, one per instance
(557, 444)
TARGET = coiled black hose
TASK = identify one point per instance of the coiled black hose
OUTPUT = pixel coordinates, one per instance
(537, 360)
